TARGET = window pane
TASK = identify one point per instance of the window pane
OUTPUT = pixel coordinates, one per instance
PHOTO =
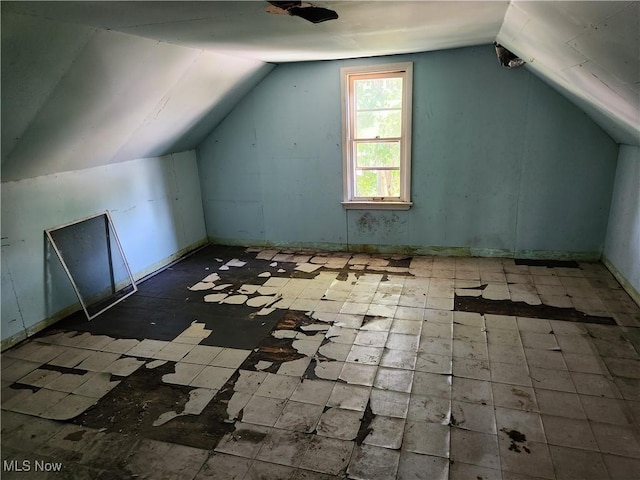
(378, 154)
(378, 93)
(377, 183)
(379, 124)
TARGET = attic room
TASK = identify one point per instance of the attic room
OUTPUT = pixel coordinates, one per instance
(359, 240)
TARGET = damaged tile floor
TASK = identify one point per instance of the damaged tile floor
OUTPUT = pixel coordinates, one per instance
(267, 364)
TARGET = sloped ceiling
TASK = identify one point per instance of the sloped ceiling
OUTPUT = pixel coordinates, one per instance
(90, 83)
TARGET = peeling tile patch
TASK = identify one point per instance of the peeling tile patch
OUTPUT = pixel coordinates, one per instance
(368, 371)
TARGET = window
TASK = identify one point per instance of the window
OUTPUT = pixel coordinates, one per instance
(376, 128)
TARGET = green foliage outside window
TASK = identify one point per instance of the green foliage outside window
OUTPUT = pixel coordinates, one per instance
(378, 116)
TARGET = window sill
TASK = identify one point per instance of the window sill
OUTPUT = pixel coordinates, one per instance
(364, 205)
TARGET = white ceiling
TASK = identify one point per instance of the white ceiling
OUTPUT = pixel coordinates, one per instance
(589, 50)
(365, 28)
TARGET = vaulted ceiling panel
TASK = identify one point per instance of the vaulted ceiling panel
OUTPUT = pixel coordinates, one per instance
(589, 49)
(185, 114)
(35, 56)
(115, 97)
(90, 83)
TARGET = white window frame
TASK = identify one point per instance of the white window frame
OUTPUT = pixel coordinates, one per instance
(350, 201)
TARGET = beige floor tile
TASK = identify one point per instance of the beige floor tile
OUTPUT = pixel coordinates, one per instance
(386, 432)
(70, 407)
(525, 458)
(569, 432)
(68, 382)
(473, 416)
(35, 403)
(120, 345)
(590, 384)
(394, 379)
(432, 363)
(617, 439)
(263, 410)
(220, 466)
(315, 392)
(124, 366)
(470, 350)
(339, 423)
(334, 351)
(184, 373)
(245, 441)
(294, 368)
(147, 348)
(464, 471)
(513, 355)
(248, 381)
(201, 354)
(97, 386)
(514, 396)
(415, 466)
(371, 338)
(365, 355)
(551, 379)
(211, 377)
(283, 447)
(165, 460)
(356, 374)
(571, 463)
(389, 403)
(469, 368)
(299, 417)
(18, 369)
(577, 362)
(39, 377)
(472, 391)
(474, 448)
(431, 384)
(374, 463)
(426, 438)
(435, 346)
(528, 425)
(327, 455)
(400, 341)
(72, 357)
(621, 467)
(173, 351)
(277, 386)
(98, 361)
(539, 325)
(607, 410)
(35, 352)
(350, 397)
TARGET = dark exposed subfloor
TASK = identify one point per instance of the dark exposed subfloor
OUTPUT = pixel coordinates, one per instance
(163, 307)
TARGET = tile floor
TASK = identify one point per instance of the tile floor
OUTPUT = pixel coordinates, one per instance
(367, 371)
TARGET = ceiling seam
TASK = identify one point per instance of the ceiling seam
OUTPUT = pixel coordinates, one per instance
(7, 157)
(159, 106)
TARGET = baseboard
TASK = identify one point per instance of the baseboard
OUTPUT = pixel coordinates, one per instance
(444, 251)
(630, 289)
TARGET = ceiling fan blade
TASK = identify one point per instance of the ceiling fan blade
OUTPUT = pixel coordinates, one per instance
(312, 14)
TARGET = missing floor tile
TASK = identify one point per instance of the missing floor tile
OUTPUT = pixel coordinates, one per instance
(140, 399)
(365, 424)
(523, 309)
(546, 263)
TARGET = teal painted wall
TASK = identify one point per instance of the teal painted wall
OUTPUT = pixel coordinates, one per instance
(156, 208)
(622, 247)
(501, 163)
